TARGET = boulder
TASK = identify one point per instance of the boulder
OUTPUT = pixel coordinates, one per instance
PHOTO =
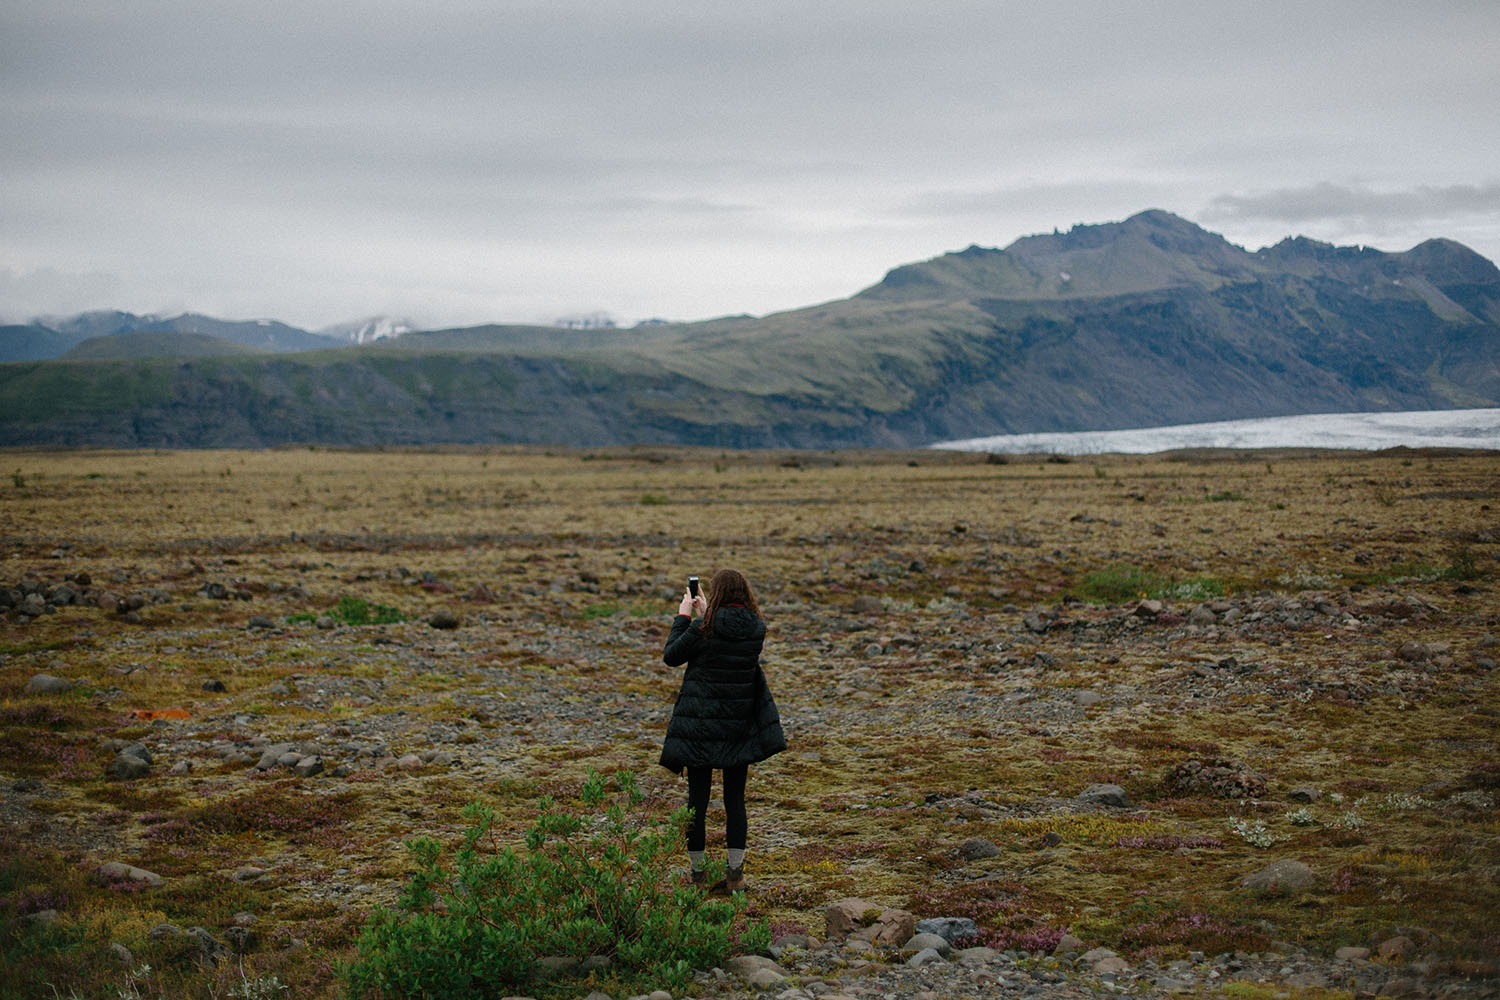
(1068, 945)
(1111, 796)
(926, 942)
(47, 684)
(950, 929)
(890, 929)
(1102, 960)
(845, 916)
(444, 620)
(127, 767)
(1286, 875)
(119, 871)
(977, 849)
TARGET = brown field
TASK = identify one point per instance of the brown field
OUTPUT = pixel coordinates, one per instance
(1005, 670)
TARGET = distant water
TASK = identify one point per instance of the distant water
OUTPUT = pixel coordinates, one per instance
(1351, 431)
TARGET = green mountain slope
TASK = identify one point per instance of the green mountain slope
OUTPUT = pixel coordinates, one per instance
(151, 344)
(1143, 322)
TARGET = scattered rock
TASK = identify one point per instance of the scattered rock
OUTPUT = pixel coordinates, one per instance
(127, 767)
(950, 929)
(1102, 960)
(1215, 776)
(211, 946)
(977, 849)
(927, 956)
(865, 605)
(1201, 615)
(1111, 796)
(1401, 988)
(1068, 945)
(47, 684)
(926, 941)
(1086, 699)
(1397, 949)
(1304, 793)
(308, 766)
(889, 929)
(1286, 875)
(118, 871)
(214, 686)
(241, 939)
(122, 954)
(325, 622)
(845, 916)
(1350, 953)
(443, 620)
(746, 965)
(1147, 608)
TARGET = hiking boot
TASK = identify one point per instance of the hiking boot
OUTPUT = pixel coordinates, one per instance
(700, 878)
(734, 881)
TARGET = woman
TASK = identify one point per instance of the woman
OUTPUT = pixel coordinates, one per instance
(725, 717)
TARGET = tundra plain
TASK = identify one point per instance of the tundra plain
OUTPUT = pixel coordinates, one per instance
(1273, 655)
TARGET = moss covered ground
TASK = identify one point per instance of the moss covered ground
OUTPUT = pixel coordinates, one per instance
(997, 662)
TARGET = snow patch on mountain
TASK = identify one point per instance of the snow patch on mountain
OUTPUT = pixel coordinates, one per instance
(369, 329)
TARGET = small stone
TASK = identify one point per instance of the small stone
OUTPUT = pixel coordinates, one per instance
(1112, 796)
(845, 916)
(241, 939)
(866, 605)
(1398, 948)
(1147, 609)
(1310, 980)
(1350, 953)
(1068, 945)
(247, 874)
(927, 956)
(122, 954)
(977, 849)
(443, 620)
(745, 965)
(161, 931)
(1401, 988)
(923, 940)
(118, 871)
(43, 918)
(1102, 961)
(889, 929)
(181, 767)
(211, 946)
(950, 929)
(260, 621)
(326, 622)
(1304, 793)
(214, 686)
(1201, 615)
(409, 762)
(1285, 875)
(765, 980)
(127, 767)
(873, 650)
(1087, 699)
(47, 684)
(308, 766)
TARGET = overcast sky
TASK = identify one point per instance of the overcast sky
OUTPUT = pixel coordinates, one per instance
(457, 162)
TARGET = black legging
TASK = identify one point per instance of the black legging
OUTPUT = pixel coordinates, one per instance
(737, 824)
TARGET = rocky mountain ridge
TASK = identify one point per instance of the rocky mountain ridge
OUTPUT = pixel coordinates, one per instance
(1144, 322)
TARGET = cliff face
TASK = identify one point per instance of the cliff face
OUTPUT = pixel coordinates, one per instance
(1143, 322)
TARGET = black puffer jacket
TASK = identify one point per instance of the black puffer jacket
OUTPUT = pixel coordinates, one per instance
(725, 715)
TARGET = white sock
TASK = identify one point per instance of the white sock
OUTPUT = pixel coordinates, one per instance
(695, 858)
(736, 857)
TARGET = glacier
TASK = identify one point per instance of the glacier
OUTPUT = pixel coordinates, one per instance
(1346, 431)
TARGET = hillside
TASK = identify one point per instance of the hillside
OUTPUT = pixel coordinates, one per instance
(150, 344)
(1148, 321)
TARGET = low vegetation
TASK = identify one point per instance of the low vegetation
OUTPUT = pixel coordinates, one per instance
(959, 648)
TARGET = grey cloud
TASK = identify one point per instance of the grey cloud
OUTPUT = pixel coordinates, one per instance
(1358, 205)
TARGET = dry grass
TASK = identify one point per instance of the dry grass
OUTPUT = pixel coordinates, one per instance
(956, 730)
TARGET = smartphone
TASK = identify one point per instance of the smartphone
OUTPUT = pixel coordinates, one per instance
(693, 586)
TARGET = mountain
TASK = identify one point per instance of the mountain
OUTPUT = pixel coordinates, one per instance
(1144, 322)
(52, 337)
(368, 330)
(153, 344)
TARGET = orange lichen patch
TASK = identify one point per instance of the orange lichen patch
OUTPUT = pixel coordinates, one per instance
(152, 714)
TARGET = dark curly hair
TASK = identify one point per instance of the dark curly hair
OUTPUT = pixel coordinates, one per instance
(727, 587)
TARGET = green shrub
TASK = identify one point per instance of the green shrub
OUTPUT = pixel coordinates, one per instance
(602, 886)
(1119, 583)
(353, 610)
